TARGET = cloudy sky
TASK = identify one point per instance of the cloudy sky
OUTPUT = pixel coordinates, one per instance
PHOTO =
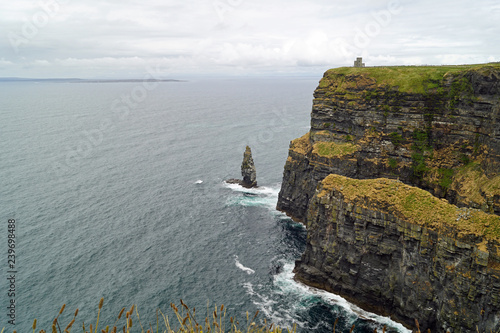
(126, 38)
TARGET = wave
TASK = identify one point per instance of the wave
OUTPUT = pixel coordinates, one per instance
(262, 190)
(302, 298)
(266, 196)
(287, 284)
(243, 268)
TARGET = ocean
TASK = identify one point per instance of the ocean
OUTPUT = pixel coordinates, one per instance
(117, 191)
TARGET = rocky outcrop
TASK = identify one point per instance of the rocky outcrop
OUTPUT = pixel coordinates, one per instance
(399, 251)
(436, 128)
(248, 171)
(430, 138)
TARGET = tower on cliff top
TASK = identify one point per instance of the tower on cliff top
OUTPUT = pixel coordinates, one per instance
(359, 62)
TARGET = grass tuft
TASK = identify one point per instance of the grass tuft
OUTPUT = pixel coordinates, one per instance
(408, 202)
(216, 321)
(301, 145)
(333, 149)
(187, 323)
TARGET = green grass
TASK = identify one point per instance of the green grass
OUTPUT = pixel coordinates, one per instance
(446, 178)
(333, 149)
(408, 79)
(393, 163)
(409, 203)
(474, 184)
(396, 138)
(301, 145)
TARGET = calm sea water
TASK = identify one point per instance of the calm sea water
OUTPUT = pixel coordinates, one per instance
(117, 191)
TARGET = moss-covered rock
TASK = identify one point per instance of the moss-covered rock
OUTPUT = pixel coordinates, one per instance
(396, 250)
(412, 230)
(434, 127)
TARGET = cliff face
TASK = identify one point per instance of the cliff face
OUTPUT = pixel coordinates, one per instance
(433, 127)
(433, 134)
(368, 241)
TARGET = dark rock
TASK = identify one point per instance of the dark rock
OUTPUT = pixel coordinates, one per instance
(248, 171)
(442, 136)
(425, 139)
(368, 254)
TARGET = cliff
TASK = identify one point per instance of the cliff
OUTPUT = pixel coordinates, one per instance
(435, 128)
(401, 252)
(428, 138)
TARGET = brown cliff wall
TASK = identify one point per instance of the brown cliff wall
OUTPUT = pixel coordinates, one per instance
(433, 127)
(367, 243)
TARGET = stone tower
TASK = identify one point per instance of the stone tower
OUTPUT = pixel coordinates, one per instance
(359, 62)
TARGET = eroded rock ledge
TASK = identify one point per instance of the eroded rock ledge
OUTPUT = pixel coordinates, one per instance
(401, 252)
(436, 128)
(432, 133)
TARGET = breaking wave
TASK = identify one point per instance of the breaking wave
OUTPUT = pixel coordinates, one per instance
(243, 268)
(266, 196)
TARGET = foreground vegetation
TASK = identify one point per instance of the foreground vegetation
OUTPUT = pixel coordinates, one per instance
(185, 320)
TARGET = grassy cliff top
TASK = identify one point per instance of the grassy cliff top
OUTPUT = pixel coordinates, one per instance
(301, 145)
(410, 79)
(333, 149)
(413, 205)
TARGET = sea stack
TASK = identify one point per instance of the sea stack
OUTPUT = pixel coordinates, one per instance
(248, 171)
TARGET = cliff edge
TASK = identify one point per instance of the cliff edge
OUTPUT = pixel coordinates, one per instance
(434, 127)
(401, 252)
(412, 230)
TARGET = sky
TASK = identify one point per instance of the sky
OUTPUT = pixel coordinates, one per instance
(176, 39)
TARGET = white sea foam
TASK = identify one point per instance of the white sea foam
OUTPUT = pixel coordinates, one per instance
(264, 190)
(271, 308)
(266, 196)
(287, 285)
(265, 304)
(243, 268)
(284, 284)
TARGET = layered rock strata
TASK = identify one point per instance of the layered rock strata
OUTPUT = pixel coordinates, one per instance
(399, 251)
(433, 134)
(433, 127)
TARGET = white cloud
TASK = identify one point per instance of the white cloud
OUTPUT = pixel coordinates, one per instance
(216, 36)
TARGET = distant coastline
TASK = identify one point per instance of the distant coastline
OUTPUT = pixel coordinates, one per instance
(77, 80)
(127, 80)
